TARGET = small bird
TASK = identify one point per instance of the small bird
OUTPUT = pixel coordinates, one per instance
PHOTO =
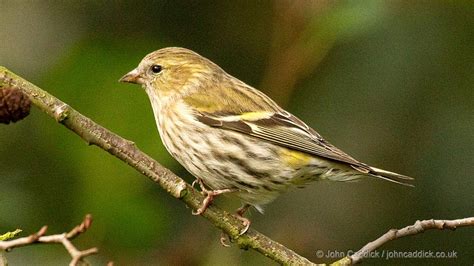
(233, 138)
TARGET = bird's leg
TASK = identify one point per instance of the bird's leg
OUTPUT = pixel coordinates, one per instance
(210, 194)
(240, 215)
(246, 222)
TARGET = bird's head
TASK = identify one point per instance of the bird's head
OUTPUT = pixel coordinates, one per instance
(172, 70)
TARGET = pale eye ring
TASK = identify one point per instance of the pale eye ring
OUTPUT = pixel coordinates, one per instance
(156, 69)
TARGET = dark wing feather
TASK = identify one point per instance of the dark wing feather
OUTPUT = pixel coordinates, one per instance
(284, 130)
(288, 131)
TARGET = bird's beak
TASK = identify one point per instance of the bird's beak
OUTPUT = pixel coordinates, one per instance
(132, 77)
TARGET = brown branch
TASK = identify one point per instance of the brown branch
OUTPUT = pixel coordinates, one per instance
(126, 151)
(64, 239)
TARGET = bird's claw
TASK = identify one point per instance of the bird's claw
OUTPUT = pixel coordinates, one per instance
(210, 195)
(246, 223)
(194, 183)
(224, 238)
(205, 203)
(240, 215)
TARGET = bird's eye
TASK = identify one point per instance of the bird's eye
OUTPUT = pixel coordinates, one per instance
(156, 69)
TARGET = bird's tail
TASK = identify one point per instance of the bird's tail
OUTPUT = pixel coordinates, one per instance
(391, 176)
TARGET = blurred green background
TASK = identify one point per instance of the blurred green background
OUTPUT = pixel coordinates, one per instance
(389, 82)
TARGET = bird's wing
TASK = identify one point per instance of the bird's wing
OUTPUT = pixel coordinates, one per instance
(280, 128)
(264, 119)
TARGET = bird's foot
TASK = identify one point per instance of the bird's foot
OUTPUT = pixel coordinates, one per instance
(210, 195)
(225, 239)
(245, 221)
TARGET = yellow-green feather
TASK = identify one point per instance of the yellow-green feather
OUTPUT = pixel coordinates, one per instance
(228, 100)
(295, 159)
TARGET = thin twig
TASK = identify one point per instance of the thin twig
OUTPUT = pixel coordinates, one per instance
(64, 239)
(417, 228)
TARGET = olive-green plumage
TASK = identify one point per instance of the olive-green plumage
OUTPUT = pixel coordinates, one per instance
(234, 138)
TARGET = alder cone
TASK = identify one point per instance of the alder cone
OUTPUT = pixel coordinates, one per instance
(14, 105)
